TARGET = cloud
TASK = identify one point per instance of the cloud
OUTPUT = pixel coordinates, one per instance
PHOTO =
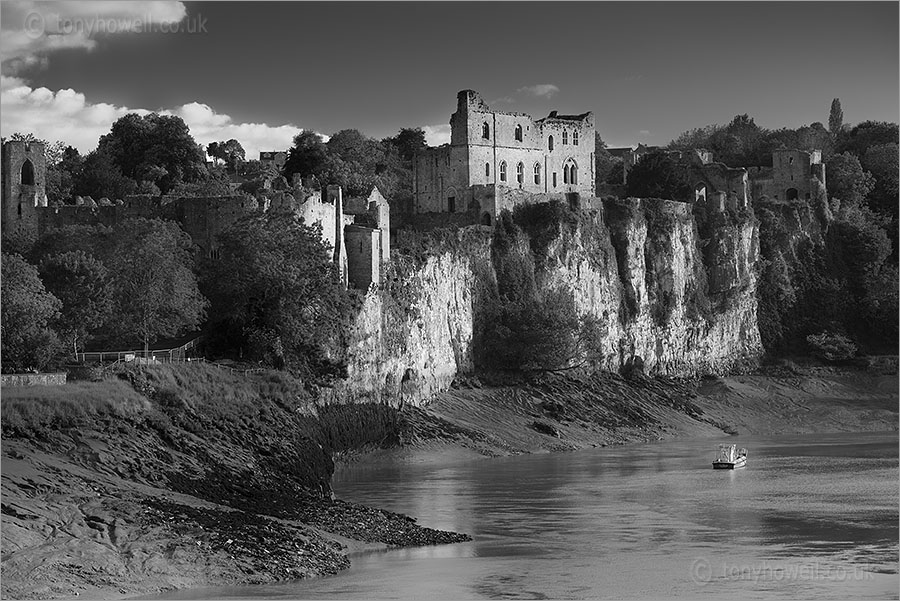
(547, 90)
(503, 100)
(67, 115)
(31, 30)
(645, 132)
(435, 135)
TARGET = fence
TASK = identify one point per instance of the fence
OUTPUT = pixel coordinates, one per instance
(155, 356)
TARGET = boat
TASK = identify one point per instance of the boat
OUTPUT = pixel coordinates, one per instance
(730, 457)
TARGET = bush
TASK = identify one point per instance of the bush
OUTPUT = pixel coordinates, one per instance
(832, 347)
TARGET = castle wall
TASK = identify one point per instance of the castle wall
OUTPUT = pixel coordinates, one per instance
(363, 246)
(791, 170)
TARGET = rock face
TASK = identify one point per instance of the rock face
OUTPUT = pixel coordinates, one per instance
(670, 289)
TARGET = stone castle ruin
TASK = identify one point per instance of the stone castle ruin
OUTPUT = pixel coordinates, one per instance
(24, 180)
(357, 230)
(492, 153)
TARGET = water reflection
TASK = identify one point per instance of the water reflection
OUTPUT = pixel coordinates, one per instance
(809, 517)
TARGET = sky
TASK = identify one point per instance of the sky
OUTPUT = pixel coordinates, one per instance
(261, 72)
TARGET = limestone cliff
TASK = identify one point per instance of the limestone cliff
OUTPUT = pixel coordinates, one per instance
(675, 289)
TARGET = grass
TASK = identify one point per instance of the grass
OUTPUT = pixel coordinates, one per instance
(35, 408)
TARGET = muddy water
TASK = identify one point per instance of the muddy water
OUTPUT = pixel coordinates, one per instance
(810, 517)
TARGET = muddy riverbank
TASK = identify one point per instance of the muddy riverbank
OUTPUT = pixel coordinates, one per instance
(168, 479)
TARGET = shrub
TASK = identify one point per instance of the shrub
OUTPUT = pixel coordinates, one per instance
(832, 347)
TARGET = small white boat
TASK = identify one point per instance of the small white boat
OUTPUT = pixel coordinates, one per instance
(730, 457)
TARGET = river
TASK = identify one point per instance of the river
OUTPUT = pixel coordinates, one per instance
(812, 517)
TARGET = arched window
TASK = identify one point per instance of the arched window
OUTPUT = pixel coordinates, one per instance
(487, 169)
(520, 174)
(575, 138)
(791, 194)
(550, 144)
(570, 172)
(537, 173)
(519, 133)
(565, 136)
(486, 131)
(27, 173)
(503, 171)
(700, 192)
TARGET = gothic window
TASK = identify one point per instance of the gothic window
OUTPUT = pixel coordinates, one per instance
(550, 144)
(487, 169)
(503, 171)
(570, 172)
(565, 136)
(27, 173)
(519, 133)
(486, 131)
(575, 138)
(537, 173)
(520, 174)
(554, 179)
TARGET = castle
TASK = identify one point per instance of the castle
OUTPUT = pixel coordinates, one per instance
(358, 230)
(490, 151)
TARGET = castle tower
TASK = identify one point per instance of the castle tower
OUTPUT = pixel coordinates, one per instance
(24, 178)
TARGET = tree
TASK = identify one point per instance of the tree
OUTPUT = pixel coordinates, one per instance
(81, 283)
(101, 177)
(866, 134)
(882, 162)
(276, 295)
(847, 180)
(699, 137)
(659, 175)
(741, 143)
(835, 117)
(409, 142)
(230, 152)
(605, 163)
(306, 156)
(27, 340)
(216, 183)
(154, 289)
(91, 240)
(158, 144)
(541, 333)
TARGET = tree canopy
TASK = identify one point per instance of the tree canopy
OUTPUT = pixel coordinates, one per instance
(28, 342)
(276, 295)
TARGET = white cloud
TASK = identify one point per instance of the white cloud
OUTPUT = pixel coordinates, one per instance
(32, 29)
(645, 132)
(547, 90)
(67, 115)
(435, 135)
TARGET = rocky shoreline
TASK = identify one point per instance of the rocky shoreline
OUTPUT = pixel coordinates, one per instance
(177, 494)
